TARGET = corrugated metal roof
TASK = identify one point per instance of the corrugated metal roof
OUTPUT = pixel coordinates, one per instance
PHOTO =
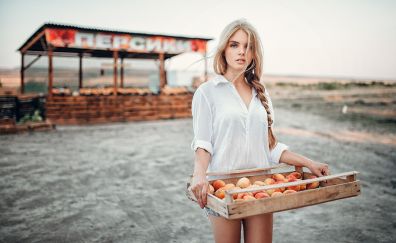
(90, 29)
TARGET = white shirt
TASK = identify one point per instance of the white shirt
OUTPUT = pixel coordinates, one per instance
(236, 136)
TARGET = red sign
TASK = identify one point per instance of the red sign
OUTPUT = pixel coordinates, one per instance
(131, 43)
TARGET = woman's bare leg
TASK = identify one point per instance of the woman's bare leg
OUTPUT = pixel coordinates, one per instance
(258, 228)
(224, 230)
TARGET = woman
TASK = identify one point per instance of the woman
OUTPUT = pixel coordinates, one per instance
(233, 121)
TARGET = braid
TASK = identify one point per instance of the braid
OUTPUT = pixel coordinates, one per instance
(254, 82)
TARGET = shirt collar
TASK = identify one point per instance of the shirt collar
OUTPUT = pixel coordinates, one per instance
(221, 79)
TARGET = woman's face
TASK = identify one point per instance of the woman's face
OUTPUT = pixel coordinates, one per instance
(236, 53)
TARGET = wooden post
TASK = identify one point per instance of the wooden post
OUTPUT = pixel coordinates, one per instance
(22, 73)
(162, 70)
(122, 73)
(80, 72)
(50, 72)
(115, 69)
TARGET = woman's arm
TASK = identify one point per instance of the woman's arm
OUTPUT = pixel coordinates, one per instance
(199, 185)
(317, 168)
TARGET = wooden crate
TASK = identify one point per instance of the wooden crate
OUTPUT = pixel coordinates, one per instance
(332, 187)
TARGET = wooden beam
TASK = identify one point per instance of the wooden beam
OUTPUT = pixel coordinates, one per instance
(22, 73)
(162, 70)
(28, 45)
(50, 72)
(122, 72)
(32, 62)
(57, 54)
(115, 70)
(80, 76)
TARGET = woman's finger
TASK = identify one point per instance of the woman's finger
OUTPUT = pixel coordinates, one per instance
(318, 172)
(194, 191)
(199, 192)
(325, 171)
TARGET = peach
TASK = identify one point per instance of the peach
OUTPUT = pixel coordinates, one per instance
(229, 186)
(282, 189)
(279, 190)
(253, 186)
(276, 194)
(235, 196)
(261, 195)
(278, 177)
(269, 181)
(218, 184)
(295, 188)
(220, 193)
(243, 182)
(289, 191)
(270, 191)
(259, 183)
(312, 185)
(241, 195)
(290, 177)
(248, 198)
(211, 189)
(295, 174)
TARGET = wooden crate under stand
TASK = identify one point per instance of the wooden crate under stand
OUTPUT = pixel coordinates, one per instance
(332, 187)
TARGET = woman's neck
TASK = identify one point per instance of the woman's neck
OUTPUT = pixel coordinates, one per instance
(236, 77)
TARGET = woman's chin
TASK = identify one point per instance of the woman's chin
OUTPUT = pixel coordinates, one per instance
(238, 68)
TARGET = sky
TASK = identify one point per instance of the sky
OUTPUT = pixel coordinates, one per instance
(329, 38)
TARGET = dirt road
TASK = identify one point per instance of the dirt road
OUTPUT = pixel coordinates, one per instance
(125, 183)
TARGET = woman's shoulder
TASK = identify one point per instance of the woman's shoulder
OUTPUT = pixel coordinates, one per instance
(206, 87)
(210, 84)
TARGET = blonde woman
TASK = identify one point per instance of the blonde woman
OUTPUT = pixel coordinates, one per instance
(233, 122)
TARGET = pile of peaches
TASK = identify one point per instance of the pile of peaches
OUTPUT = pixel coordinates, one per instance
(219, 187)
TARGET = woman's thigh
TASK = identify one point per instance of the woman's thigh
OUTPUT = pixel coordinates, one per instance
(258, 228)
(225, 230)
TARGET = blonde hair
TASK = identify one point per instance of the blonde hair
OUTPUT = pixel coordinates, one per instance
(253, 71)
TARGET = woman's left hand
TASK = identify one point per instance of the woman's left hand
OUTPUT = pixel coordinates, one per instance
(319, 169)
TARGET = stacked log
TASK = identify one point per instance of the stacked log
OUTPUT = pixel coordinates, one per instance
(75, 110)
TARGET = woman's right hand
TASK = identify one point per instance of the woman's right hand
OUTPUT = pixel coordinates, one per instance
(199, 187)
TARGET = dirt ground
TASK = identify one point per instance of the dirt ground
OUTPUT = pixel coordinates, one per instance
(125, 182)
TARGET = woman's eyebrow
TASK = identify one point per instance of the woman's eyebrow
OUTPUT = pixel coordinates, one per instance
(232, 41)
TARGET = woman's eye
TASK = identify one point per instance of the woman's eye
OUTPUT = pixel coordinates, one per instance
(233, 45)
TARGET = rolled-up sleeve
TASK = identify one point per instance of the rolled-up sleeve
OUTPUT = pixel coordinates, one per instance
(276, 153)
(202, 122)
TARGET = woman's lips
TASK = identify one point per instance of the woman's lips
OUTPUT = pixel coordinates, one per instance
(240, 61)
